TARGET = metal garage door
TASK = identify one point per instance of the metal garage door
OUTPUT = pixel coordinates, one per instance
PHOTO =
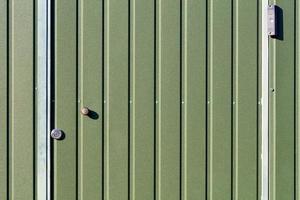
(173, 93)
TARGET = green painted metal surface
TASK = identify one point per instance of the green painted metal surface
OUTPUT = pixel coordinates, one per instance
(174, 91)
(284, 105)
(65, 151)
(219, 97)
(142, 96)
(297, 97)
(194, 100)
(3, 100)
(17, 99)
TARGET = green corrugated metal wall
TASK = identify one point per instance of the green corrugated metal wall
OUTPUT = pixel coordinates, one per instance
(173, 86)
(174, 90)
(17, 99)
(284, 105)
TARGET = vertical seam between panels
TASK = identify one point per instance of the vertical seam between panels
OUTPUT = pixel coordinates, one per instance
(154, 102)
(295, 100)
(7, 98)
(159, 99)
(297, 136)
(79, 96)
(237, 98)
(34, 101)
(48, 99)
(232, 123)
(12, 97)
(102, 102)
(52, 93)
(107, 100)
(206, 100)
(258, 108)
(102, 87)
(185, 98)
(129, 101)
(55, 93)
(180, 101)
(133, 95)
(186, 95)
(210, 99)
(234, 99)
(76, 104)
(258, 101)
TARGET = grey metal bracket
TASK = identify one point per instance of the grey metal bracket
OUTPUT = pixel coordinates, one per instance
(272, 20)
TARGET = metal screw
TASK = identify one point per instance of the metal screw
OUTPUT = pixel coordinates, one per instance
(56, 134)
(85, 111)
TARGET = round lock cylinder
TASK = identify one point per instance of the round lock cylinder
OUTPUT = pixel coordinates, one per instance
(84, 111)
(56, 134)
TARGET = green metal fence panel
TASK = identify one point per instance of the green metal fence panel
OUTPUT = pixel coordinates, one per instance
(219, 97)
(168, 100)
(116, 108)
(17, 98)
(173, 93)
(245, 109)
(21, 108)
(3, 100)
(90, 92)
(297, 97)
(284, 104)
(65, 152)
(142, 74)
(193, 97)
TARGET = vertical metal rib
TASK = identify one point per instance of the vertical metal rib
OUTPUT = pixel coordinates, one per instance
(132, 99)
(209, 102)
(184, 100)
(106, 99)
(265, 103)
(297, 100)
(158, 103)
(235, 89)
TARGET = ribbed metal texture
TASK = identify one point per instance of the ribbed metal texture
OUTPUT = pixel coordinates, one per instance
(284, 104)
(173, 86)
(17, 100)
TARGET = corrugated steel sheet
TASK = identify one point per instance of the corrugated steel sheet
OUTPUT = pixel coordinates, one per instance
(174, 90)
(284, 104)
(17, 100)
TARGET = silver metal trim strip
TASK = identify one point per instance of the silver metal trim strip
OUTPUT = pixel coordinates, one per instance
(48, 33)
(265, 103)
(43, 99)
